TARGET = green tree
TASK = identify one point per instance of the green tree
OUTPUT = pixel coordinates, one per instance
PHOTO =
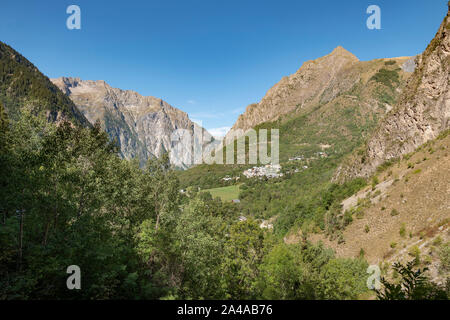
(413, 285)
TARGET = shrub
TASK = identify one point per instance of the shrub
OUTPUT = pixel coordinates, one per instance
(347, 218)
(362, 253)
(386, 77)
(375, 182)
(402, 231)
(437, 241)
(444, 255)
(414, 251)
(394, 212)
(366, 229)
(413, 285)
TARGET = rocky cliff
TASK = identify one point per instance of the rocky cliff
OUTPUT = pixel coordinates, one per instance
(421, 114)
(142, 126)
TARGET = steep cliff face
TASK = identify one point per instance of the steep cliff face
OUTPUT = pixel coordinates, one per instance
(141, 125)
(422, 113)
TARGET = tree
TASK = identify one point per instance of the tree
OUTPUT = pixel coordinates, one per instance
(282, 274)
(343, 279)
(413, 285)
(243, 253)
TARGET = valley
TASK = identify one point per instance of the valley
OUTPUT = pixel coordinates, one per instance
(88, 177)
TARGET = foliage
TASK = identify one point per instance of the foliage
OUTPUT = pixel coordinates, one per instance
(444, 255)
(387, 77)
(21, 82)
(413, 285)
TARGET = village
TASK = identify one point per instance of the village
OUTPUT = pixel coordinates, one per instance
(269, 171)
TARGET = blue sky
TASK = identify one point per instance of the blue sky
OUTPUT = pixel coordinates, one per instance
(208, 58)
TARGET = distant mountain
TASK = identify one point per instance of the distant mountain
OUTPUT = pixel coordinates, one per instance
(422, 113)
(22, 83)
(141, 125)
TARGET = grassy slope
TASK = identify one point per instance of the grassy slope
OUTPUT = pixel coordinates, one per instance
(343, 124)
(413, 193)
(350, 117)
(225, 193)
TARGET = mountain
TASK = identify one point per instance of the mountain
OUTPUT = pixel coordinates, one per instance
(315, 82)
(335, 101)
(404, 212)
(422, 113)
(141, 125)
(339, 75)
(22, 83)
(408, 209)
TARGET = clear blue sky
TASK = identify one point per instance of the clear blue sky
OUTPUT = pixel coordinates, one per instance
(209, 58)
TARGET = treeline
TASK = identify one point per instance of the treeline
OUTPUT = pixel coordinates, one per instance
(21, 81)
(67, 199)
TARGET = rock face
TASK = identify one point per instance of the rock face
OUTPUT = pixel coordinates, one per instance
(316, 82)
(142, 126)
(421, 114)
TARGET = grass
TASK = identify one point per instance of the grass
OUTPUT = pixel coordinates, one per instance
(225, 193)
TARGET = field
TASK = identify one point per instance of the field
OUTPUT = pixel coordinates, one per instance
(225, 193)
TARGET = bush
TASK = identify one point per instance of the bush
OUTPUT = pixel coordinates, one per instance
(402, 231)
(375, 182)
(413, 285)
(444, 255)
(386, 77)
(394, 212)
(414, 251)
(343, 279)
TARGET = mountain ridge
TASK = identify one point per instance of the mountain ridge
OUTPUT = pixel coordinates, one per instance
(316, 82)
(22, 83)
(421, 114)
(142, 125)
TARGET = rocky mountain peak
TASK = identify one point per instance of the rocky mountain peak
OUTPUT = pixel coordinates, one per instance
(142, 125)
(340, 51)
(316, 82)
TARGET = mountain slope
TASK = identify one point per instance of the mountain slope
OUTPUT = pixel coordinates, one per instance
(314, 83)
(327, 101)
(423, 111)
(331, 115)
(21, 83)
(141, 125)
(412, 196)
